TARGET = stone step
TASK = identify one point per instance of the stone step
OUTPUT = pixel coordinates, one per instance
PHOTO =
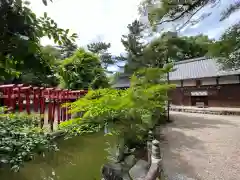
(226, 111)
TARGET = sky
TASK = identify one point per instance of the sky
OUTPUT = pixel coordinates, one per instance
(211, 26)
(107, 20)
(92, 20)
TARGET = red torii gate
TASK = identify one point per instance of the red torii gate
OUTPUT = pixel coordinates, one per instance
(40, 98)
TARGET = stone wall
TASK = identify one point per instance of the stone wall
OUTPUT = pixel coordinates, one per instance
(130, 169)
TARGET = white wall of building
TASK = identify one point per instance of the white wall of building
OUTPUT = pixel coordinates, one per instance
(189, 83)
(209, 81)
(234, 79)
(177, 83)
(229, 80)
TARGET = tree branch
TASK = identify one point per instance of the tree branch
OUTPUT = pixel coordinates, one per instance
(189, 9)
(184, 24)
(232, 8)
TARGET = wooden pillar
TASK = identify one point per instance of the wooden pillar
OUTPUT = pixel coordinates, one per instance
(217, 80)
(36, 98)
(50, 107)
(59, 101)
(7, 95)
(15, 98)
(181, 83)
(53, 107)
(42, 105)
(69, 107)
(11, 99)
(19, 97)
(62, 108)
(64, 113)
(27, 92)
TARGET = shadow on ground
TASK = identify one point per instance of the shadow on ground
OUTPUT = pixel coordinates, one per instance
(198, 121)
(174, 141)
(175, 165)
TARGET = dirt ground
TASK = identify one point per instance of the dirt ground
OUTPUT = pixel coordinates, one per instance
(201, 147)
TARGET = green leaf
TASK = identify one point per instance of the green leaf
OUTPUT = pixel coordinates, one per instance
(19, 3)
(67, 31)
(44, 2)
(45, 15)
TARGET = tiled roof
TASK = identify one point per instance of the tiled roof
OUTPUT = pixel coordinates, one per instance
(199, 68)
(122, 82)
(190, 69)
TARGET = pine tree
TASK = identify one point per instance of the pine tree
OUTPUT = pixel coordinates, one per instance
(101, 49)
(134, 46)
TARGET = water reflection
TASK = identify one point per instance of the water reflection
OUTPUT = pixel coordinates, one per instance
(79, 158)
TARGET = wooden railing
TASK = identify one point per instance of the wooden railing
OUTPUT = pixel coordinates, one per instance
(20, 98)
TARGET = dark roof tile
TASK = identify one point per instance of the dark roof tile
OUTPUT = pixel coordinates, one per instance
(190, 69)
(199, 68)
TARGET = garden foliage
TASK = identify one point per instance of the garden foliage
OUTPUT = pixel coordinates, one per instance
(127, 113)
(21, 139)
(82, 70)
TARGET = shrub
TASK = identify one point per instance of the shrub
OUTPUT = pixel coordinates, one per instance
(129, 113)
(75, 127)
(21, 139)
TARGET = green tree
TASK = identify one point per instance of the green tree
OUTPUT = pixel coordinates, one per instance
(101, 49)
(81, 71)
(47, 77)
(68, 50)
(20, 39)
(194, 46)
(53, 52)
(171, 46)
(60, 52)
(160, 50)
(134, 45)
(227, 49)
(130, 113)
(183, 13)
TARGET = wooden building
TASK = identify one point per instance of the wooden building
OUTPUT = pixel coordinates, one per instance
(201, 82)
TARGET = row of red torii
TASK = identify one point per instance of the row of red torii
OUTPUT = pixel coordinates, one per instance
(20, 97)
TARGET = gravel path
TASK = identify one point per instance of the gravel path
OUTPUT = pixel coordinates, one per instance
(201, 147)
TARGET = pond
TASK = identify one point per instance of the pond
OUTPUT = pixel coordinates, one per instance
(79, 158)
